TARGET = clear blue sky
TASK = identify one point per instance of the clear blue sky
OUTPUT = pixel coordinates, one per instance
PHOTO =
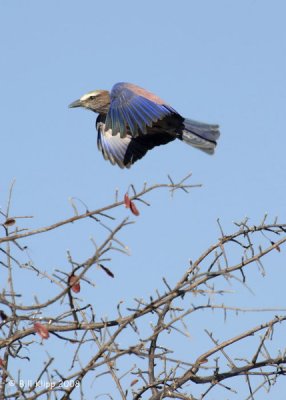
(215, 61)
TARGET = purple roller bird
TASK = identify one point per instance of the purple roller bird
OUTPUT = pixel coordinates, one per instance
(132, 121)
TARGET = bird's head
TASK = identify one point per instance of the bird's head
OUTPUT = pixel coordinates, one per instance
(97, 101)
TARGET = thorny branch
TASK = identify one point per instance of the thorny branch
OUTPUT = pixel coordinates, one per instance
(100, 211)
(146, 365)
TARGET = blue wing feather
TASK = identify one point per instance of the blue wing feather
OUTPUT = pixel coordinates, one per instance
(129, 109)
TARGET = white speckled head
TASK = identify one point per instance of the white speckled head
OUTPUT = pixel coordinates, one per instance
(86, 96)
(97, 101)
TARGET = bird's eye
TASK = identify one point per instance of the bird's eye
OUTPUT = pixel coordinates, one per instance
(92, 98)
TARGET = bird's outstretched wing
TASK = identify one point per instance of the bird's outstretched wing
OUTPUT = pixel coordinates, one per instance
(133, 109)
(125, 151)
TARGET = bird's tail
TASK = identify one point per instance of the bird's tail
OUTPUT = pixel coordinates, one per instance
(200, 135)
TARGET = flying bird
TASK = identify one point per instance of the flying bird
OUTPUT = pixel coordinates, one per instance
(132, 121)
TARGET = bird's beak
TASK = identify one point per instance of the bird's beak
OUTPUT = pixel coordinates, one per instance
(77, 103)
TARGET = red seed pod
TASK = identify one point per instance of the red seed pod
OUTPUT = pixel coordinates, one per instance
(9, 222)
(41, 330)
(127, 201)
(75, 287)
(134, 209)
